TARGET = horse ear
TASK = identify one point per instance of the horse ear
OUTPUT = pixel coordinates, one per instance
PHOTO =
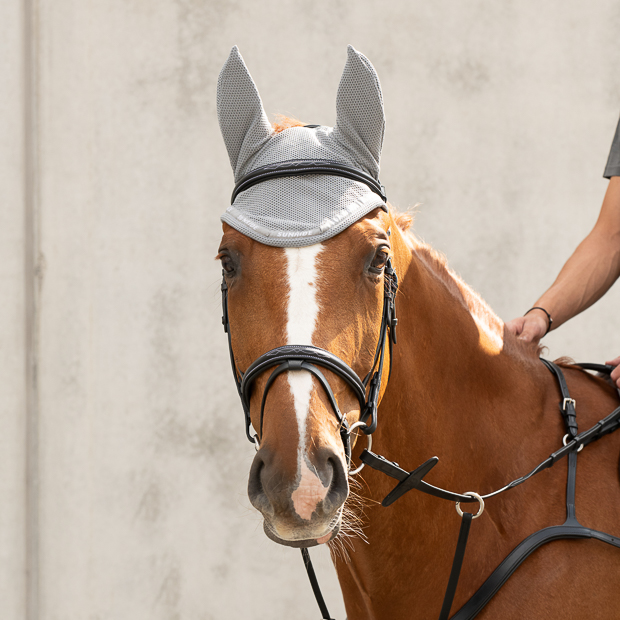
(243, 122)
(360, 120)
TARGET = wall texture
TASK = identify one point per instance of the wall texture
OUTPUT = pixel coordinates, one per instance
(122, 458)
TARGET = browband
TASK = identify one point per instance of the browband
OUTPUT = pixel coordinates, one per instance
(294, 168)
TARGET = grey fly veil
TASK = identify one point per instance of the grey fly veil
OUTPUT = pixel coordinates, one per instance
(305, 184)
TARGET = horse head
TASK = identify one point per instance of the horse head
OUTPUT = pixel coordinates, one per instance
(305, 255)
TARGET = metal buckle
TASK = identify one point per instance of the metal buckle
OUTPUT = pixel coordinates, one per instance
(566, 401)
(480, 501)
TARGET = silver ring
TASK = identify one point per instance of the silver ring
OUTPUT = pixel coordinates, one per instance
(565, 442)
(480, 501)
(352, 472)
(256, 443)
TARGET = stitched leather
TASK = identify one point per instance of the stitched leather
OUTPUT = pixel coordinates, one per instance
(567, 406)
(297, 168)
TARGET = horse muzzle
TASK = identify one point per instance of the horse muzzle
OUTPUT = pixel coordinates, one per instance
(302, 508)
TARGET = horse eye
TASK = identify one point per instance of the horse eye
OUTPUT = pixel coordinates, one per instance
(227, 264)
(378, 262)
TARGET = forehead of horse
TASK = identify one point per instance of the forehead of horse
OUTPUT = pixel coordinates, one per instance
(260, 260)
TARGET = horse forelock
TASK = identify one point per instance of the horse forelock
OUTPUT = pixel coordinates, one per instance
(282, 123)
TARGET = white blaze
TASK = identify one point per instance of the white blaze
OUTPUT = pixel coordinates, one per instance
(303, 310)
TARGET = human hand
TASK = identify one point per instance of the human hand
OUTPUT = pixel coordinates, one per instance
(531, 327)
(615, 373)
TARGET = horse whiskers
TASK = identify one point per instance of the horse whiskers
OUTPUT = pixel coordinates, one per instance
(352, 524)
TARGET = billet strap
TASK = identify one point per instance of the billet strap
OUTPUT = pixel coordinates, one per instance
(314, 582)
(294, 168)
(457, 564)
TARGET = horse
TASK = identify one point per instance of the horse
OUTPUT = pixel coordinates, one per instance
(456, 385)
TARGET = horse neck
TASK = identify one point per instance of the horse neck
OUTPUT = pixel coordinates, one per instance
(454, 380)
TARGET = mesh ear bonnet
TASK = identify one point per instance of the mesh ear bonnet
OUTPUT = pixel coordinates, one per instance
(294, 211)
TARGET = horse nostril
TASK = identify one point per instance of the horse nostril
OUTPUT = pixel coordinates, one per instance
(339, 486)
(256, 492)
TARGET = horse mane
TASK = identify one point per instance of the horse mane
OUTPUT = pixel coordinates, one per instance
(437, 263)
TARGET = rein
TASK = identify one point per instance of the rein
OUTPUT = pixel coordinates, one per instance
(571, 528)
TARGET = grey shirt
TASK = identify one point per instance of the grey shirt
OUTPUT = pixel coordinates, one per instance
(612, 169)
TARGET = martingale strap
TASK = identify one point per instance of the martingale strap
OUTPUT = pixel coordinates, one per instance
(571, 528)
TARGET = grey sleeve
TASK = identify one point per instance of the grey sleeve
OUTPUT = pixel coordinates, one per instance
(612, 169)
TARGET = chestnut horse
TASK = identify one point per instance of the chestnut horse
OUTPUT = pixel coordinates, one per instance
(461, 388)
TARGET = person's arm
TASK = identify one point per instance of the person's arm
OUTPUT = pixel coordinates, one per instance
(586, 276)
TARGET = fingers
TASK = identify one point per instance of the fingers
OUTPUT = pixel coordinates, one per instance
(515, 326)
(615, 373)
(529, 328)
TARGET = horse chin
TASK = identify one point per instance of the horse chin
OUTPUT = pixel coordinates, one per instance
(304, 543)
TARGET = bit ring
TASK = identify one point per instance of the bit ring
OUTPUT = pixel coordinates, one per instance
(359, 424)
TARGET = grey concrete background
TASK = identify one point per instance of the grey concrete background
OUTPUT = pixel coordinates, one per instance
(123, 461)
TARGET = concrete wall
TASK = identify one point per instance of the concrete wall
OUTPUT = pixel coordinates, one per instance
(122, 458)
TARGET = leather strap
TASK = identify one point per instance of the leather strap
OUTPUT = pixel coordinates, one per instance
(295, 364)
(296, 167)
(301, 353)
(571, 528)
(457, 563)
(602, 368)
(410, 480)
(567, 406)
(314, 582)
(516, 557)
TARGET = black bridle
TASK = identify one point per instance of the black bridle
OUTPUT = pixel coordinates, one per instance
(309, 358)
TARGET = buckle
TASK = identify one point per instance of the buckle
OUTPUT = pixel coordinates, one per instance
(568, 401)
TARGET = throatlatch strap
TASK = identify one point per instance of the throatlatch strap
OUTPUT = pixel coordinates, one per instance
(457, 563)
(315, 584)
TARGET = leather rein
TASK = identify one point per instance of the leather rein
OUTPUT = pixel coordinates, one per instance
(309, 358)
